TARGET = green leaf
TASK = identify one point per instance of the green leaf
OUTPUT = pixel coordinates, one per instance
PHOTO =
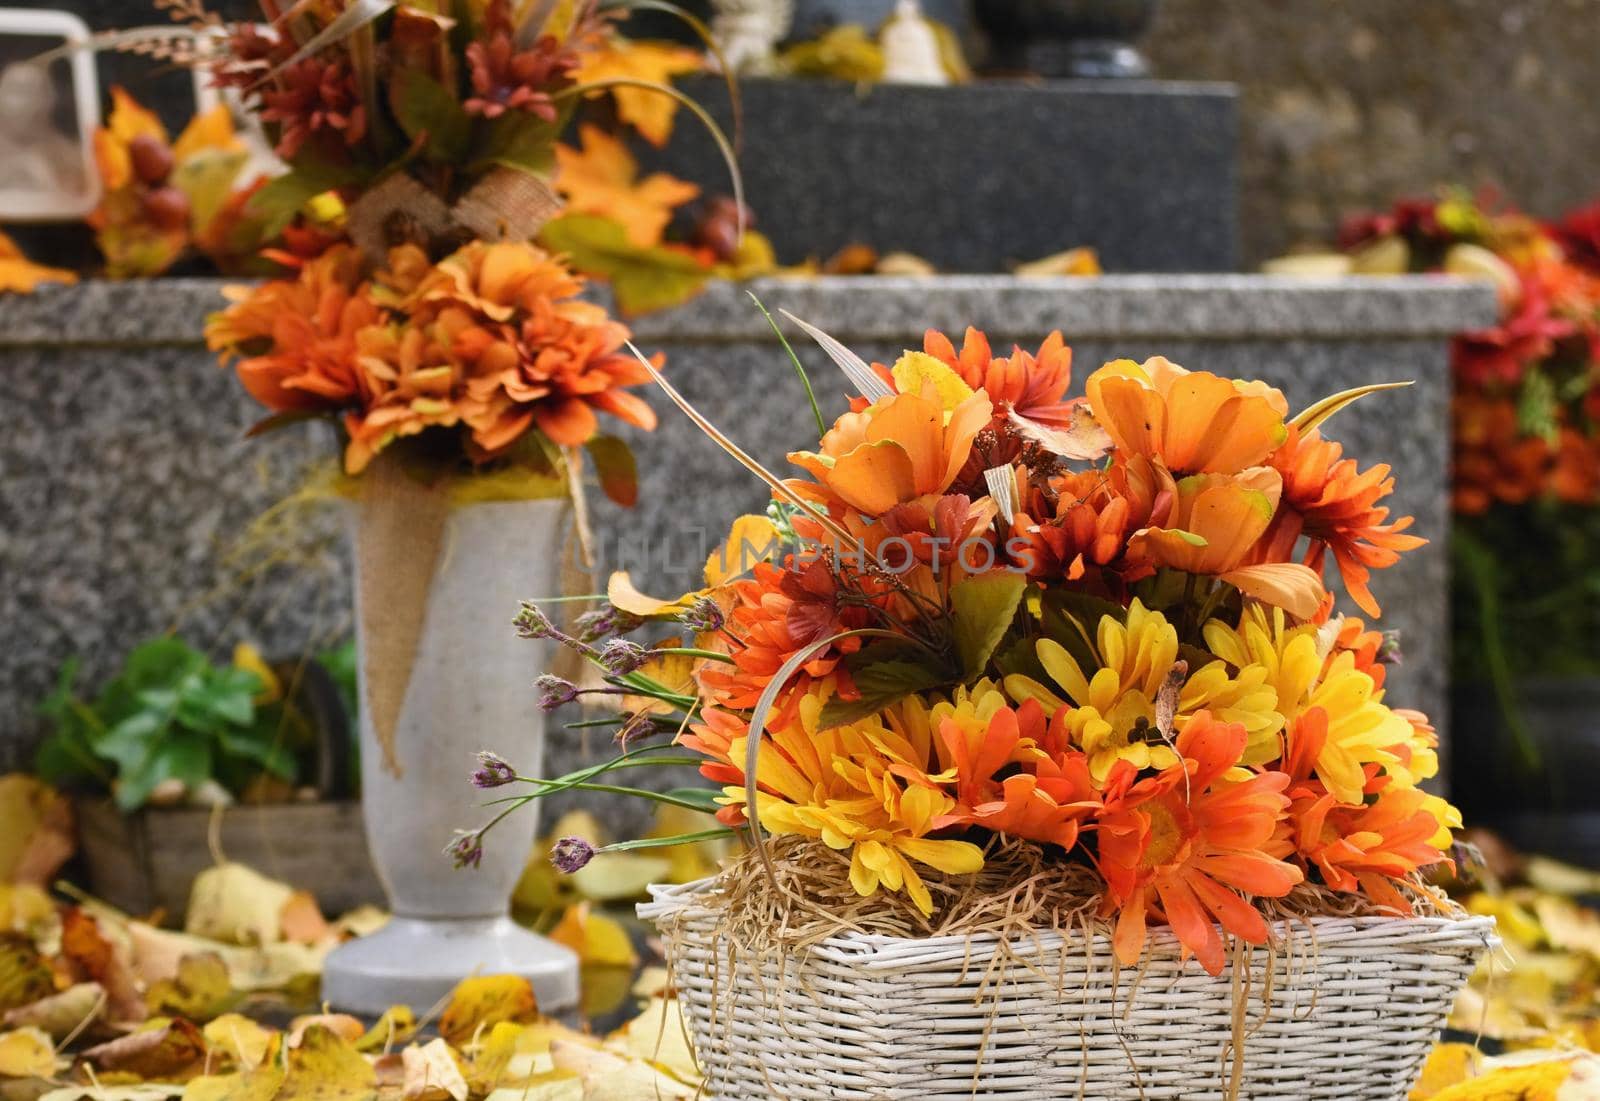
(130, 742)
(644, 279)
(218, 699)
(1538, 408)
(619, 473)
(429, 112)
(983, 608)
(281, 199)
(264, 752)
(161, 662)
(702, 798)
(522, 141)
(881, 683)
(182, 757)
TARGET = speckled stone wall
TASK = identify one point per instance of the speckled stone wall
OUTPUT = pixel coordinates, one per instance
(1349, 103)
(130, 503)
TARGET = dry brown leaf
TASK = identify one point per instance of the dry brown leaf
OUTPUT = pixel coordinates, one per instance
(432, 1073)
(162, 1049)
(483, 1002)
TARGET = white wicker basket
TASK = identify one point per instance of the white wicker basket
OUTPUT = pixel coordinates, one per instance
(1354, 1008)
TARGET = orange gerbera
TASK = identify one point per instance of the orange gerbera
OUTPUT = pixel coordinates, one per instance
(1193, 422)
(902, 448)
(1045, 801)
(1034, 385)
(774, 614)
(1182, 846)
(1363, 846)
(1335, 506)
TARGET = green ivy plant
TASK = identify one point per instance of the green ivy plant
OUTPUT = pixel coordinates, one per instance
(170, 714)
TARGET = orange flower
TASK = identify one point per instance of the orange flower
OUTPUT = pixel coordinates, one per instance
(1335, 506)
(1089, 517)
(298, 336)
(774, 614)
(1183, 844)
(1193, 422)
(898, 450)
(1045, 801)
(1035, 385)
(1359, 847)
(1214, 526)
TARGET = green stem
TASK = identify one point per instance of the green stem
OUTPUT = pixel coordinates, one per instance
(693, 652)
(799, 368)
(666, 842)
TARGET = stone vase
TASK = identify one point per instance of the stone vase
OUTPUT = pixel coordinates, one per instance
(443, 675)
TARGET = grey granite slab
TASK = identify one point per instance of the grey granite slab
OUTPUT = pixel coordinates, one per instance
(128, 491)
(981, 176)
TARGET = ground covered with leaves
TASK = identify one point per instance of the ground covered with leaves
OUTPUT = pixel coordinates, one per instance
(104, 1006)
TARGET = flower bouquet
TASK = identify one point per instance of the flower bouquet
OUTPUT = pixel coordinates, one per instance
(1526, 498)
(1060, 775)
(466, 376)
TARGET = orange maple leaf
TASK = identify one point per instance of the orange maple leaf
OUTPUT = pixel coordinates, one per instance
(20, 275)
(603, 179)
(647, 111)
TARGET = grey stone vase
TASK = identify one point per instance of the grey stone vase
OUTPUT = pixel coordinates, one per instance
(814, 17)
(1093, 39)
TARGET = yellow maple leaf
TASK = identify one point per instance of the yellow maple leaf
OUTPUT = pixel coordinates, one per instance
(485, 1001)
(210, 130)
(1533, 1082)
(648, 111)
(602, 178)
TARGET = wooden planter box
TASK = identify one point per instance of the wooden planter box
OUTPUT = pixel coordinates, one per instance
(147, 861)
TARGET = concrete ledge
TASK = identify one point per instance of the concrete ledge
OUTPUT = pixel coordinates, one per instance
(1145, 307)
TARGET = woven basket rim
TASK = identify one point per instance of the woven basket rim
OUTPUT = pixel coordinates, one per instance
(871, 950)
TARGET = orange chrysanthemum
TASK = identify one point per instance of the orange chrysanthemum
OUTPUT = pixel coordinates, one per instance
(1087, 518)
(1033, 384)
(1334, 505)
(1183, 844)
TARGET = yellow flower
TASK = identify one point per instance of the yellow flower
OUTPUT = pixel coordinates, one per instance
(1114, 713)
(864, 788)
(1361, 729)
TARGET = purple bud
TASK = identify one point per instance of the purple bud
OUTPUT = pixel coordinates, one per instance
(594, 626)
(703, 615)
(533, 623)
(1389, 653)
(493, 771)
(467, 849)
(571, 853)
(555, 692)
(621, 657)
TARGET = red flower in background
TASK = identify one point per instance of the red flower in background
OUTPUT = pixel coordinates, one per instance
(1579, 236)
(1502, 355)
(316, 98)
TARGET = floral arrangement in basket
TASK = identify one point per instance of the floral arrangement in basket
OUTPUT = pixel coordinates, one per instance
(1526, 412)
(990, 628)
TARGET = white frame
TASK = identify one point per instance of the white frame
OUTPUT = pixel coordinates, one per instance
(33, 206)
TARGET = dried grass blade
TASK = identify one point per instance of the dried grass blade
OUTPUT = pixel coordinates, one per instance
(741, 456)
(861, 376)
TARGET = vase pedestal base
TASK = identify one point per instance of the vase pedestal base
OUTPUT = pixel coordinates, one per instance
(416, 962)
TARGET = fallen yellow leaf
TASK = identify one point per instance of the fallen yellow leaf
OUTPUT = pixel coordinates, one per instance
(24, 976)
(236, 904)
(432, 1073)
(326, 1068)
(554, 1085)
(201, 990)
(397, 1025)
(608, 1077)
(162, 1048)
(598, 940)
(484, 1002)
(27, 1053)
(261, 1084)
(659, 1036)
(35, 820)
(349, 1029)
(244, 1041)
(1447, 1065)
(1538, 1082)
